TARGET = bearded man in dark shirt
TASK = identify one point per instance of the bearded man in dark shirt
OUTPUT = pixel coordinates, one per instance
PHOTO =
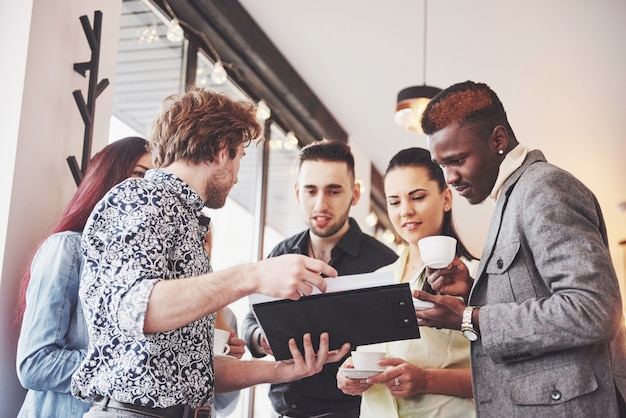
(326, 190)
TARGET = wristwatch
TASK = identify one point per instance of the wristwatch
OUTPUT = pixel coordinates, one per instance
(467, 328)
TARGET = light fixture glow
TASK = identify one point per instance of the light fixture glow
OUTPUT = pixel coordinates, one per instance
(219, 76)
(412, 101)
(149, 35)
(263, 111)
(388, 236)
(276, 143)
(371, 219)
(292, 141)
(175, 33)
(400, 249)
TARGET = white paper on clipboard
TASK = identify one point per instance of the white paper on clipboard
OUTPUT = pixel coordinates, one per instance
(340, 284)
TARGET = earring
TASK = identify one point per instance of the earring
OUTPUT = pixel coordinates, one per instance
(500, 152)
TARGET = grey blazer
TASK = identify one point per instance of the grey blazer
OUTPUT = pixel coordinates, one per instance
(550, 302)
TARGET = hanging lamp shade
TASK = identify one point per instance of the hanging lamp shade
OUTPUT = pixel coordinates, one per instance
(411, 104)
(412, 101)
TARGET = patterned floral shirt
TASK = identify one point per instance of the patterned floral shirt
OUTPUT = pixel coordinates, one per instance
(143, 231)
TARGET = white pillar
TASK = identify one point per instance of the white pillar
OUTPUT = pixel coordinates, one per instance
(40, 127)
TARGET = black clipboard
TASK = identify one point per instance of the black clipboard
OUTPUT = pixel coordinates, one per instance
(359, 317)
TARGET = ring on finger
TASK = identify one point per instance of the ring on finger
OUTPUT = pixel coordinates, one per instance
(396, 382)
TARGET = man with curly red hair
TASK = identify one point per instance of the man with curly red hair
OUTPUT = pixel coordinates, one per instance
(148, 289)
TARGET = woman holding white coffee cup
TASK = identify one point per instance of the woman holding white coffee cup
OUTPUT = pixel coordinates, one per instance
(429, 376)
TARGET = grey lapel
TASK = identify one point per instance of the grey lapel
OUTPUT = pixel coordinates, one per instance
(496, 219)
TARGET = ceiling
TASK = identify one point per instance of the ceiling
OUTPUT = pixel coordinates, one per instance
(559, 67)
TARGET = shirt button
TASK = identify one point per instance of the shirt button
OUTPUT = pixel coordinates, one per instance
(500, 263)
(555, 395)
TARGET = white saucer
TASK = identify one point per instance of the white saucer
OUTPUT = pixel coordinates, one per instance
(422, 304)
(225, 356)
(359, 373)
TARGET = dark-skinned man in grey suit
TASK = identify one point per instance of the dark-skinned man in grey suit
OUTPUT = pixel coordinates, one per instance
(544, 314)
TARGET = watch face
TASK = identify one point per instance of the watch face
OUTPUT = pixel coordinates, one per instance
(470, 334)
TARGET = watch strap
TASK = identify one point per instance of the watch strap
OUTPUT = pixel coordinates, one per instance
(467, 325)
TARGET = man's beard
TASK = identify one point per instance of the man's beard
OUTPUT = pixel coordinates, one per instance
(331, 229)
(217, 190)
(216, 198)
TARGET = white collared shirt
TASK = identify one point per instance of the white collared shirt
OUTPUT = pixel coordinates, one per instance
(512, 161)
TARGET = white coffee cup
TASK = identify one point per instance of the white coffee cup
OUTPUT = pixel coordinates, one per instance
(367, 360)
(437, 251)
(220, 342)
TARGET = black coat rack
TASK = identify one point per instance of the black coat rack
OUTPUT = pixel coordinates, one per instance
(87, 109)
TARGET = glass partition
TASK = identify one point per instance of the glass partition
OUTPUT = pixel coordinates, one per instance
(149, 65)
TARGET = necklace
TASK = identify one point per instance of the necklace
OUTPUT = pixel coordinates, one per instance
(415, 264)
(411, 269)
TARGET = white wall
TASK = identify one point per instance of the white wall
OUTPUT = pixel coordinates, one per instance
(41, 127)
(14, 32)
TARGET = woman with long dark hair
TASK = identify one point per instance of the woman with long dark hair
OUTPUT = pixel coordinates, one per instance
(429, 376)
(53, 336)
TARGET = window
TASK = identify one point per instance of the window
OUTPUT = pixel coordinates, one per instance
(151, 67)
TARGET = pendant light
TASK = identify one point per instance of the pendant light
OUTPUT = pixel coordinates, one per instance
(413, 100)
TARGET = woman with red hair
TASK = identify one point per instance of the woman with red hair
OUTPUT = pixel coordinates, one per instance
(53, 337)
